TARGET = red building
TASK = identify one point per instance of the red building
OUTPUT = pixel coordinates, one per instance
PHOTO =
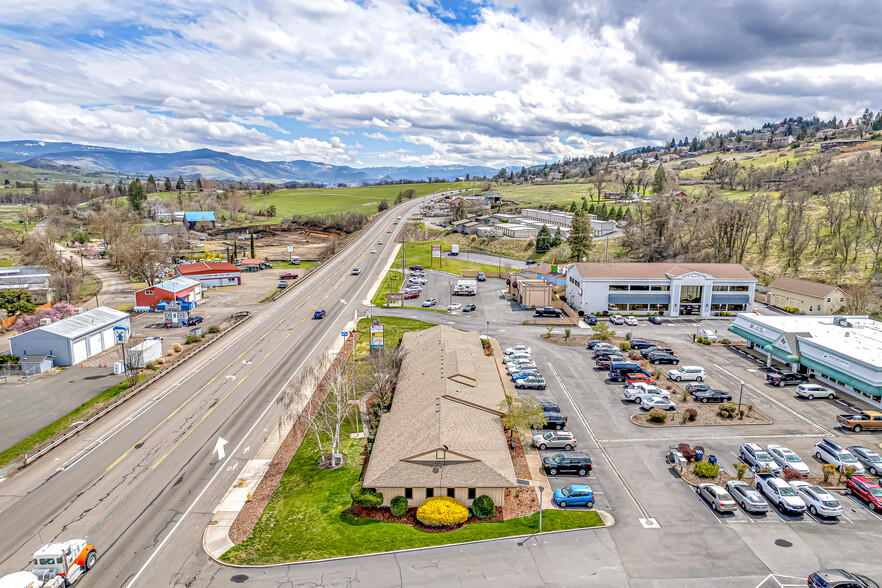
(175, 289)
(211, 274)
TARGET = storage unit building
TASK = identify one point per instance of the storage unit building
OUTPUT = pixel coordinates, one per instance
(211, 274)
(74, 339)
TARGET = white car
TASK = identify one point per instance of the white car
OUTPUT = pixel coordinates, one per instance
(687, 372)
(812, 391)
(515, 357)
(517, 366)
(389, 231)
(708, 334)
(636, 394)
(631, 321)
(648, 403)
(819, 501)
(787, 458)
(617, 319)
(430, 302)
(757, 458)
(454, 306)
(373, 250)
(831, 452)
(517, 349)
(380, 242)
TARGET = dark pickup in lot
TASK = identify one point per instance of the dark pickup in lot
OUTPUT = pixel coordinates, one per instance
(548, 311)
(786, 378)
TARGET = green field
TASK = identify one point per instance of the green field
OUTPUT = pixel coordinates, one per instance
(394, 328)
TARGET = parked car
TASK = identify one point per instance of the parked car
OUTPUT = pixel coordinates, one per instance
(868, 491)
(532, 383)
(517, 349)
(573, 495)
(812, 391)
(831, 452)
(757, 458)
(481, 277)
(640, 344)
(658, 357)
(631, 321)
(637, 395)
(193, 320)
(416, 267)
(871, 460)
(430, 302)
(711, 395)
(786, 378)
(656, 320)
(693, 388)
(787, 458)
(595, 343)
(620, 370)
(524, 374)
(604, 361)
(647, 350)
(549, 406)
(747, 496)
(657, 402)
(720, 500)
(319, 314)
(634, 378)
(601, 351)
(780, 493)
(411, 294)
(454, 306)
(839, 579)
(687, 372)
(515, 357)
(568, 462)
(290, 276)
(283, 284)
(554, 420)
(867, 419)
(591, 320)
(469, 308)
(520, 366)
(617, 319)
(555, 439)
(819, 501)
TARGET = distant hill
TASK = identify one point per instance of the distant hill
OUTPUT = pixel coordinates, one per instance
(215, 165)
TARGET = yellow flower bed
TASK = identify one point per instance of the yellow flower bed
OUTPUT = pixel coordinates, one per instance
(442, 511)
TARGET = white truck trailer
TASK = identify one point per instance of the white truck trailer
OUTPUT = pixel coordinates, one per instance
(466, 288)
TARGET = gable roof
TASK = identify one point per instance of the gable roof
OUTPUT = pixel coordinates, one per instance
(174, 285)
(77, 325)
(205, 267)
(804, 287)
(656, 271)
(195, 216)
(447, 395)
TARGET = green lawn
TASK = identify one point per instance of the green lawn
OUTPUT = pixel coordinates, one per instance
(61, 424)
(391, 283)
(394, 328)
(420, 253)
(307, 518)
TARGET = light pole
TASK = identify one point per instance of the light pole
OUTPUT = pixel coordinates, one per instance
(740, 392)
(541, 490)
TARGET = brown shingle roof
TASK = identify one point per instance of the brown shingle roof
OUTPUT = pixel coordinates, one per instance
(655, 271)
(444, 382)
(803, 287)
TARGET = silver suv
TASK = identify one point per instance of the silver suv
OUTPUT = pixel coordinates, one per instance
(555, 439)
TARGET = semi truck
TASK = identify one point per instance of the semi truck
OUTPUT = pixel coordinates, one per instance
(56, 565)
(465, 288)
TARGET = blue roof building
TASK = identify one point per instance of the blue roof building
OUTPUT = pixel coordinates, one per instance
(198, 216)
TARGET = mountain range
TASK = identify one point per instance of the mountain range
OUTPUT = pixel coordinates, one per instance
(216, 165)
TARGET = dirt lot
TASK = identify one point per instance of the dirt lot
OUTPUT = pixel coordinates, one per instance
(271, 245)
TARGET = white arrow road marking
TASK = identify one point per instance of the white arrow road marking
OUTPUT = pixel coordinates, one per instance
(246, 361)
(219, 448)
(342, 301)
(246, 450)
(231, 377)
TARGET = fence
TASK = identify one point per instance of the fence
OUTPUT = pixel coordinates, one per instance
(8, 322)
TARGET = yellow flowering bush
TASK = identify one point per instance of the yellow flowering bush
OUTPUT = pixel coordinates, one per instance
(441, 511)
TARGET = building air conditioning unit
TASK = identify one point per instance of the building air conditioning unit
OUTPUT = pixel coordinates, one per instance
(45, 321)
(78, 310)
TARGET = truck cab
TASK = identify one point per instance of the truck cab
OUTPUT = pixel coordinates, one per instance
(69, 560)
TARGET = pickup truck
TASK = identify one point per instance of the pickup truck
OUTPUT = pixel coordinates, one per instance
(786, 378)
(548, 311)
(780, 493)
(869, 419)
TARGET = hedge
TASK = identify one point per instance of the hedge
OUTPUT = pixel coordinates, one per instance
(366, 497)
(442, 511)
(483, 507)
(704, 469)
(398, 506)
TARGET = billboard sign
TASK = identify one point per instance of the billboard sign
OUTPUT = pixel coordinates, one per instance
(436, 251)
(377, 331)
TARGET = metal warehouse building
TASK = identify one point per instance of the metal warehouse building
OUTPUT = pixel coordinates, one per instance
(73, 339)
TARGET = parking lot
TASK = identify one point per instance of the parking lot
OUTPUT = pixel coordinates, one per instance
(653, 507)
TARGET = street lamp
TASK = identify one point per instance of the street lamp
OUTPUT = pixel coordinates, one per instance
(541, 489)
(740, 392)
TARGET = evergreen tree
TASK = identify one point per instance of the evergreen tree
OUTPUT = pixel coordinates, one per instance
(603, 213)
(36, 188)
(573, 206)
(168, 185)
(137, 195)
(199, 184)
(460, 213)
(467, 177)
(252, 245)
(694, 146)
(558, 238)
(621, 213)
(629, 189)
(151, 184)
(659, 180)
(591, 209)
(180, 185)
(543, 240)
(581, 236)
(585, 204)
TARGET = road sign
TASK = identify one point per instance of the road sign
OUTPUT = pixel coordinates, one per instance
(344, 333)
(290, 249)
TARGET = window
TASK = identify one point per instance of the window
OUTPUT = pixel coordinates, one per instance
(690, 294)
(408, 493)
(660, 288)
(618, 287)
(150, 293)
(829, 300)
(639, 288)
(739, 288)
(638, 306)
(842, 300)
(721, 288)
(430, 492)
(473, 493)
(451, 492)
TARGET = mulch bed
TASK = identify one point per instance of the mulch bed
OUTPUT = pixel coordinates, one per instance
(582, 340)
(689, 476)
(707, 414)
(383, 514)
(522, 500)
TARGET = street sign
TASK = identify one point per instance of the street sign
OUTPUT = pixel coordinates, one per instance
(344, 333)
(377, 335)
(290, 249)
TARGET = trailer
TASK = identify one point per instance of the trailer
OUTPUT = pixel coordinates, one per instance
(465, 288)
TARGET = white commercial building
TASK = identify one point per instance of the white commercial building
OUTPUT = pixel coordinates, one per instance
(516, 231)
(842, 351)
(73, 339)
(669, 288)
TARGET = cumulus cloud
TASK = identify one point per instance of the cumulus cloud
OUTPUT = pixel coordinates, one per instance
(511, 81)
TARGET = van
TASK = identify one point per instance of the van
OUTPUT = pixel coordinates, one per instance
(295, 260)
(619, 370)
(283, 283)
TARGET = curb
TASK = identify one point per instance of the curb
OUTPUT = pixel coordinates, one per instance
(604, 516)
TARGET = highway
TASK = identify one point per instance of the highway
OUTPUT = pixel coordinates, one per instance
(141, 483)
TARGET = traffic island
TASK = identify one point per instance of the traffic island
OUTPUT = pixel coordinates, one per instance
(699, 414)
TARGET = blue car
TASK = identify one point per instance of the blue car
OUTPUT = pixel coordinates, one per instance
(574, 495)
(319, 314)
(523, 375)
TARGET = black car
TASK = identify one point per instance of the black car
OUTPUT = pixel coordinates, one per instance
(657, 357)
(469, 308)
(641, 344)
(605, 352)
(549, 406)
(193, 320)
(554, 420)
(786, 378)
(696, 387)
(591, 320)
(711, 395)
(645, 352)
(839, 579)
(568, 462)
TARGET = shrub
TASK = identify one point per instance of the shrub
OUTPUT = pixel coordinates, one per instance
(705, 341)
(791, 474)
(169, 353)
(483, 507)
(827, 469)
(657, 415)
(704, 469)
(192, 339)
(740, 469)
(691, 414)
(366, 497)
(177, 347)
(567, 333)
(625, 346)
(398, 506)
(214, 329)
(442, 511)
(725, 341)
(749, 408)
(686, 451)
(159, 361)
(725, 414)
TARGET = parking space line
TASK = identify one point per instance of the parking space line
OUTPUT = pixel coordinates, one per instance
(780, 404)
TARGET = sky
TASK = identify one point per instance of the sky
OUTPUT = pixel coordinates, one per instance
(427, 82)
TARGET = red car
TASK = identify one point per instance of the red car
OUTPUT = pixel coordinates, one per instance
(634, 378)
(866, 490)
(415, 267)
(411, 295)
(288, 277)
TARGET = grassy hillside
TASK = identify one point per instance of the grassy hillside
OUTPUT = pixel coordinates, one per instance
(17, 172)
